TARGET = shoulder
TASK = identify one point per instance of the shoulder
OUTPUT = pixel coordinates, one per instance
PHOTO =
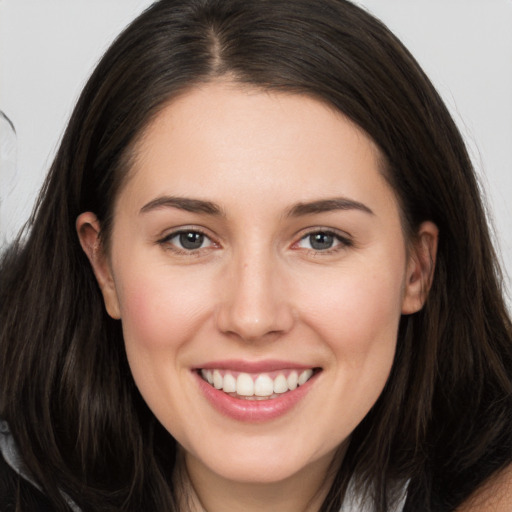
(495, 495)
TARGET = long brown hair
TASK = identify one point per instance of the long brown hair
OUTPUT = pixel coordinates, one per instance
(442, 423)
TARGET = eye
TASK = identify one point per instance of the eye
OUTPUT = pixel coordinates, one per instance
(188, 240)
(323, 241)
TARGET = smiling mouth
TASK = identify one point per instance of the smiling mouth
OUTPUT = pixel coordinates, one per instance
(258, 386)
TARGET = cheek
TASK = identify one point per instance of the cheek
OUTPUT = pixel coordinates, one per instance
(159, 310)
(351, 304)
(160, 313)
(357, 312)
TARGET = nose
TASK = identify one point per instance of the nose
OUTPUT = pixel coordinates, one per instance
(255, 303)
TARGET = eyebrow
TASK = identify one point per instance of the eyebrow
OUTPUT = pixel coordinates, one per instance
(183, 203)
(297, 210)
(327, 205)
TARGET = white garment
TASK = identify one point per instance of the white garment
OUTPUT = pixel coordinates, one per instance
(353, 502)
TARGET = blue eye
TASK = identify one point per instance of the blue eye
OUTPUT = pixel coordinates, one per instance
(322, 241)
(188, 240)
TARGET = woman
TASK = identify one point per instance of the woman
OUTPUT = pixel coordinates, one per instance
(258, 276)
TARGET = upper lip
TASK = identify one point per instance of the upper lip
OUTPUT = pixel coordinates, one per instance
(268, 365)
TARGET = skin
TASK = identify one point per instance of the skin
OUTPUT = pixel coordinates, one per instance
(257, 289)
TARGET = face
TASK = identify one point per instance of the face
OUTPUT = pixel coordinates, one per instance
(259, 268)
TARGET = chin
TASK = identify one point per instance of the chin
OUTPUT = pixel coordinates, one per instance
(266, 465)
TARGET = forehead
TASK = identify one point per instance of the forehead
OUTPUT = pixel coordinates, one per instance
(220, 136)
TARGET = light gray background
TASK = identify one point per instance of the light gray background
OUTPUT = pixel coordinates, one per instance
(49, 47)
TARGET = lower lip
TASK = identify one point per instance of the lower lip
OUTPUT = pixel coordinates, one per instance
(253, 411)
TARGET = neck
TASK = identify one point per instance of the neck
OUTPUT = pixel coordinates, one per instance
(205, 491)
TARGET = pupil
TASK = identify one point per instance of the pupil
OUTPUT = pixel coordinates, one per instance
(321, 241)
(191, 240)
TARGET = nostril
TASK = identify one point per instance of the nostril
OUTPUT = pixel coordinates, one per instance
(250, 320)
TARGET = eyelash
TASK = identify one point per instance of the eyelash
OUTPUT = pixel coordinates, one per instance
(342, 242)
(166, 241)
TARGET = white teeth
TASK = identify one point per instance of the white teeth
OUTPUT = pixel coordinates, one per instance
(244, 385)
(229, 383)
(280, 384)
(218, 380)
(305, 376)
(293, 381)
(262, 385)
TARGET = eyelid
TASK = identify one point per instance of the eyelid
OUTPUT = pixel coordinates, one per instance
(165, 239)
(345, 240)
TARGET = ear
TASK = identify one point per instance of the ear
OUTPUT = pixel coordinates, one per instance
(88, 229)
(420, 267)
